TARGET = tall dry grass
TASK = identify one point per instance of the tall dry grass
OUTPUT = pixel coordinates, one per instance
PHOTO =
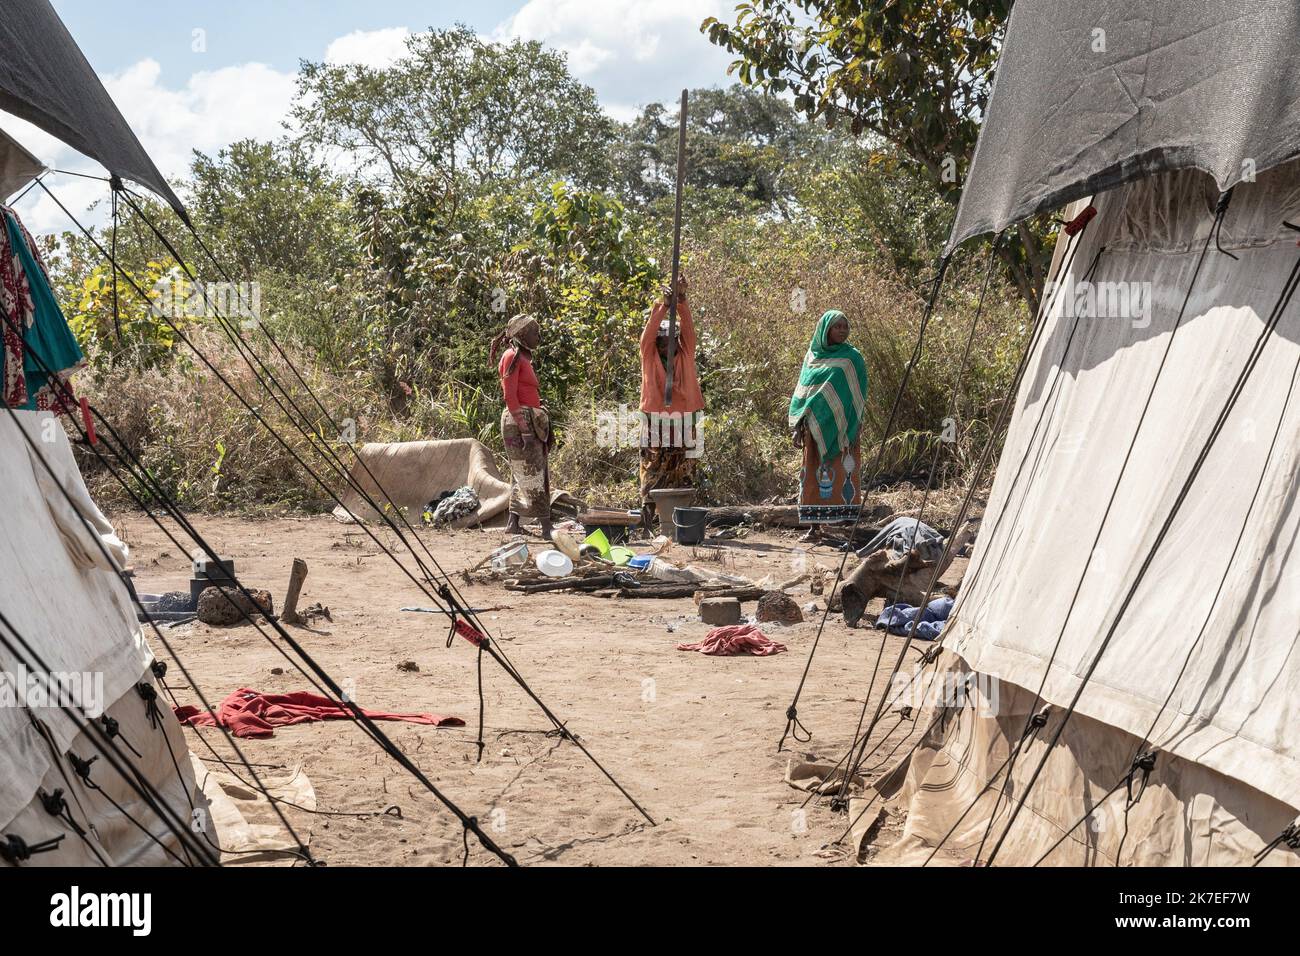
(757, 298)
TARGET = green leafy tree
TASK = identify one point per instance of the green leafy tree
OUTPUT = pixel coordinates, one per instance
(916, 73)
(116, 327)
(270, 206)
(748, 145)
(438, 285)
(454, 106)
(881, 203)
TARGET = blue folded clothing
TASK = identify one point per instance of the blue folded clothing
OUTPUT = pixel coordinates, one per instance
(897, 618)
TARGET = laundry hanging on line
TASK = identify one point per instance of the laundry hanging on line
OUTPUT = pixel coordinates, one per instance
(32, 322)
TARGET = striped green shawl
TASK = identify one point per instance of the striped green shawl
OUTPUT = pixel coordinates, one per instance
(832, 391)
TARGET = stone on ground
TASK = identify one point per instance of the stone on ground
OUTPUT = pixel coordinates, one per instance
(223, 607)
(720, 611)
(778, 607)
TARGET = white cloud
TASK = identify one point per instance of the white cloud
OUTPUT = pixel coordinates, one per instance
(39, 212)
(373, 48)
(630, 51)
(213, 109)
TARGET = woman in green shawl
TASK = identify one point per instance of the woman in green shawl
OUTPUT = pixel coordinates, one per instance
(826, 421)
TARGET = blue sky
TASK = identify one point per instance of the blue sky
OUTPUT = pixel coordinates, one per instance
(276, 32)
(199, 75)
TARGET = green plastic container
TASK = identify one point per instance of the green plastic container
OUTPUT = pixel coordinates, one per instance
(599, 541)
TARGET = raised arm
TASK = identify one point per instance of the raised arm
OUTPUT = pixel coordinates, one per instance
(686, 327)
(651, 329)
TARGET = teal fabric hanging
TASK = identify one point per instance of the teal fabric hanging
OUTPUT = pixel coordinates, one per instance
(49, 335)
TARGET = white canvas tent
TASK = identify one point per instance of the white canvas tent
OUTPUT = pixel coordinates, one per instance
(63, 593)
(69, 623)
(1120, 396)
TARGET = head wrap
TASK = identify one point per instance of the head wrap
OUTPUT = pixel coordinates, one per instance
(515, 329)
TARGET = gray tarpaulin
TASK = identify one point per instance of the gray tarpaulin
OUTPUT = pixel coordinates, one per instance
(17, 166)
(46, 80)
(1091, 94)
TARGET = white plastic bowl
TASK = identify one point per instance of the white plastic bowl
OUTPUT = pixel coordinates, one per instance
(554, 564)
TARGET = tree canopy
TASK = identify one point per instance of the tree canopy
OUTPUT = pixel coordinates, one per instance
(915, 73)
(456, 105)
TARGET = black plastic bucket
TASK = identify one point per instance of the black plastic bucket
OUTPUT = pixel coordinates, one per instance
(690, 524)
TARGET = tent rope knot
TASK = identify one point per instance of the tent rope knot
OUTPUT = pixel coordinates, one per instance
(159, 669)
(56, 806)
(150, 697)
(1039, 720)
(82, 768)
(113, 731)
(563, 733)
(1220, 211)
(1291, 836)
(52, 802)
(15, 849)
(793, 726)
(1142, 764)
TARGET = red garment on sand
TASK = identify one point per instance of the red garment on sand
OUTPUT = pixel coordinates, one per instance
(735, 639)
(250, 713)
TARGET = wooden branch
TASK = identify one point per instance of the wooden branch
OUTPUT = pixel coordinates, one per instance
(740, 594)
(289, 611)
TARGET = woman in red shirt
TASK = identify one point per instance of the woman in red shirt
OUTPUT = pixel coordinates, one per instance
(525, 426)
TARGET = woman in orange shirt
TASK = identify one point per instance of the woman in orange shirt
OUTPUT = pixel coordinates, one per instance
(670, 444)
(525, 425)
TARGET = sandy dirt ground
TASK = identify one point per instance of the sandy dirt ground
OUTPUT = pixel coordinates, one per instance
(693, 738)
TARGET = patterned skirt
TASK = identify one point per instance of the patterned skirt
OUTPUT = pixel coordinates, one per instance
(663, 468)
(530, 492)
(831, 491)
(664, 459)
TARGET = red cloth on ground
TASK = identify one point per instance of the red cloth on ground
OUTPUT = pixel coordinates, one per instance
(250, 713)
(735, 639)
